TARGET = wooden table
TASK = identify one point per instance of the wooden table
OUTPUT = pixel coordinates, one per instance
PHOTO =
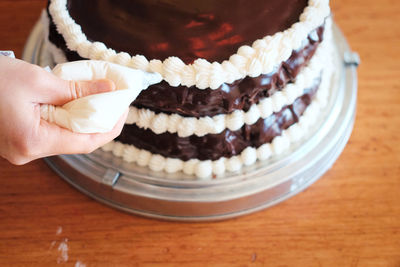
(350, 217)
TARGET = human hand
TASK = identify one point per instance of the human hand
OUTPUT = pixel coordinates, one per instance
(24, 136)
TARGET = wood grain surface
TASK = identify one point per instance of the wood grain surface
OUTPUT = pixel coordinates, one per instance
(350, 217)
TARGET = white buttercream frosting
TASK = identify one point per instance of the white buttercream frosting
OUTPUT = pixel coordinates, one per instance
(251, 61)
(205, 169)
(186, 126)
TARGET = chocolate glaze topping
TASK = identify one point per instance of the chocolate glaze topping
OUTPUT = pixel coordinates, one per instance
(188, 29)
(226, 144)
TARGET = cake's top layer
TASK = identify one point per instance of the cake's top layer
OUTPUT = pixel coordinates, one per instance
(188, 29)
(260, 58)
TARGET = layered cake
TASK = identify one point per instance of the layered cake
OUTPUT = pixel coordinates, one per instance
(242, 81)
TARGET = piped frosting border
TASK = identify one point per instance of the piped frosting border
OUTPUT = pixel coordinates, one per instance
(260, 58)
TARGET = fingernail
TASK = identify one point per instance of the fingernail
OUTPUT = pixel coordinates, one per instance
(104, 85)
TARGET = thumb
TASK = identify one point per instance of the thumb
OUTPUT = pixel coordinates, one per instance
(61, 91)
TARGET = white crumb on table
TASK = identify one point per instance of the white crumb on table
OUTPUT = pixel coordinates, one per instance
(63, 249)
(80, 264)
(59, 230)
(53, 243)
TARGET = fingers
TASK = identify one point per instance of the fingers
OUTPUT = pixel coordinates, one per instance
(78, 89)
(59, 92)
(53, 140)
(62, 141)
(46, 88)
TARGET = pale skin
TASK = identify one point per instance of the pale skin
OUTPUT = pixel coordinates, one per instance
(24, 136)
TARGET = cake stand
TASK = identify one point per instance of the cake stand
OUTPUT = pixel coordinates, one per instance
(141, 191)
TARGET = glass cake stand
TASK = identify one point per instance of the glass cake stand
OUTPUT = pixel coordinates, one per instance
(141, 191)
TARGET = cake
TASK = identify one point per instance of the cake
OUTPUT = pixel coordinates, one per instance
(242, 81)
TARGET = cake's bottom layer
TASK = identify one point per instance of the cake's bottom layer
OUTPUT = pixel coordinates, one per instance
(249, 155)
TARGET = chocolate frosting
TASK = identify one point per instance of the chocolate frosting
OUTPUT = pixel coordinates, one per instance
(188, 29)
(226, 144)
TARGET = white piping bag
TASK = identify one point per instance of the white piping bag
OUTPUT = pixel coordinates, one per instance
(97, 113)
